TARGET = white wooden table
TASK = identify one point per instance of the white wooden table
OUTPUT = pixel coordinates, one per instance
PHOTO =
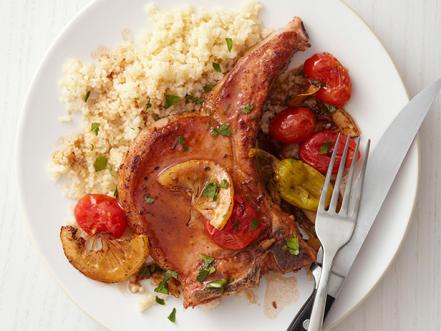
(407, 298)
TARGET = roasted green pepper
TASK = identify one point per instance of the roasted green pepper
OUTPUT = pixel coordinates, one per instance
(298, 183)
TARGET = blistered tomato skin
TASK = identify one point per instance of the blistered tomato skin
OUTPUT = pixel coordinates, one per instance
(317, 151)
(242, 228)
(293, 125)
(337, 85)
(99, 213)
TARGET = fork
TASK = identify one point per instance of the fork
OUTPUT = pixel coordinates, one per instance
(334, 228)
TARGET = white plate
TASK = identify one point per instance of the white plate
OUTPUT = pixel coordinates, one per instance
(378, 96)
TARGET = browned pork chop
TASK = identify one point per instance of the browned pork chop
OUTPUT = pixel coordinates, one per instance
(177, 243)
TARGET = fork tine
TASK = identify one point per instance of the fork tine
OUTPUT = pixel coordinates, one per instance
(345, 204)
(322, 203)
(358, 187)
(341, 169)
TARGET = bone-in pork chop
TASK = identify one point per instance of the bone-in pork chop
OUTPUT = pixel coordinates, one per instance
(177, 243)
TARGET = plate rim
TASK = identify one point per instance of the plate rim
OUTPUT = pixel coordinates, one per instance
(19, 142)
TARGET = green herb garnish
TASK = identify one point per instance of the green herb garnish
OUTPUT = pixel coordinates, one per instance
(193, 99)
(181, 141)
(147, 270)
(163, 285)
(160, 300)
(115, 193)
(324, 149)
(172, 316)
(86, 97)
(171, 100)
(95, 128)
(149, 199)
(218, 284)
(207, 268)
(292, 246)
(254, 224)
(100, 163)
(217, 67)
(207, 88)
(143, 272)
(247, 109)
(210, 191)
(229, 42)
(223, 130)
(331, 108)
(223, 183)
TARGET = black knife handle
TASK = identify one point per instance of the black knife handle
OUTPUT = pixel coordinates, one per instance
(305, 312)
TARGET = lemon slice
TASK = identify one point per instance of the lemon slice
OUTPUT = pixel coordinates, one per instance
(209, 185)
(103, 259)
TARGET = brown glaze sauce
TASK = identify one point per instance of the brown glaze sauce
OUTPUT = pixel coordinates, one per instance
(168, 216)
(280, 292)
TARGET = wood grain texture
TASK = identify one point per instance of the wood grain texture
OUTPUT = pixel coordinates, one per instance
(407, 298)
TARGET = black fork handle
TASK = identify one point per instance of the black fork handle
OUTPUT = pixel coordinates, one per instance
(299, 322)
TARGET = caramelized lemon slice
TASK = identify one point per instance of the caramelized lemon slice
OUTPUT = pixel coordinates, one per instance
(209, 185)
(113, 261)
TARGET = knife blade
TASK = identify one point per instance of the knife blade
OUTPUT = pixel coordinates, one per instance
(384, 163)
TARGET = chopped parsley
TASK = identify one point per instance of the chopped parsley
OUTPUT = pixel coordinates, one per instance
(247, 109)
(193, 99)
(181, 141)
(292, 246)
(223, 130)
(172, 316)
(254, 224)
(210, 191)
(147, 270)
(217, 67)
(324, 149)
(223, 183)
(218, 284)
(100, 163)
(86, 97)
(331, 108)
(160, 300)
(207, 88)
(207, 268)
(115, 193)
(163, 285)
(171, 100)
(95, 128)
(149, 199)
(229, 42)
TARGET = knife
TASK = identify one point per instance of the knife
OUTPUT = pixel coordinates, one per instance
(384, 163)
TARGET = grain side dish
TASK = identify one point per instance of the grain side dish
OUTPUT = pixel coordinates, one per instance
(161, 72)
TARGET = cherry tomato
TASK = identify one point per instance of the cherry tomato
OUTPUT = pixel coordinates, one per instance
(318, 149)
(292, 125)
(242, 228)
(99, 213)
(337, 86)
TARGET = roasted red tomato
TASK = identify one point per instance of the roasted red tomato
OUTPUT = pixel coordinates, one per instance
(99, 213)
(318, 149)
(292, 125)
(242, 228)
(337, 86)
